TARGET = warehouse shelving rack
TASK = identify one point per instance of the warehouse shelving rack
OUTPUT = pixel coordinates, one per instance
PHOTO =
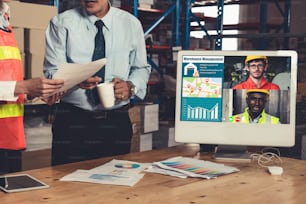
(181, 21)
(262, 26)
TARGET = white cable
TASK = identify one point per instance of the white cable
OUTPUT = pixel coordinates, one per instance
(267, 157)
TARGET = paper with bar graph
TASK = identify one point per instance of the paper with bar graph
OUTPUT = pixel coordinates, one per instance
(195, 168)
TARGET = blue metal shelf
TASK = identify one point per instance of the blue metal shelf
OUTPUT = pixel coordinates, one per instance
(175, 26)
(219, 24)
(285, 25)
(175, 8)
(55, 3)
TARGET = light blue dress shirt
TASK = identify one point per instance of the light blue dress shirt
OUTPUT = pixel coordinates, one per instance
(70, 38)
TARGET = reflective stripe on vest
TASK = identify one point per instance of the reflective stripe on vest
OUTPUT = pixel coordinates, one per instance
(11, 110)
(7, 52)
(272, 119)
(264, 119)
(11, 113)
(268, 119)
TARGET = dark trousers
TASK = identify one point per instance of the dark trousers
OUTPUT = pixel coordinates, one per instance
(82, 135)
(10, 161)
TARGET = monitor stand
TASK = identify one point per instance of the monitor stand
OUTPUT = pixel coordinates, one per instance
(232, 153)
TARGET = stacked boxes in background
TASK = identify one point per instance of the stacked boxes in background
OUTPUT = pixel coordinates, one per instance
(34, 51)
(146, 3)
(116, 3)
(148, 132)
(29, 27)
(19, 35)
(145, 121)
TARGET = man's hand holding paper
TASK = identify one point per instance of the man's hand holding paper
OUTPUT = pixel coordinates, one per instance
(90, 83)
(74, 74)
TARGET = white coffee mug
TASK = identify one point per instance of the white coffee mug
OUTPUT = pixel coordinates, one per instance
(106, 94)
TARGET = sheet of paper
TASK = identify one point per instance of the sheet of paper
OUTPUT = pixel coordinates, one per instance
(74, 74)
(194, 167)
(112, 177)
(128, 166)
(115, 172)
(158, 170)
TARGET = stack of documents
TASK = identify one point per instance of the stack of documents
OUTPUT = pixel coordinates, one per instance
(115, 172)
(128, 173)
(184, 167)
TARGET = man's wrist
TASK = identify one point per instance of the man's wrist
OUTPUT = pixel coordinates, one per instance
(132, 89)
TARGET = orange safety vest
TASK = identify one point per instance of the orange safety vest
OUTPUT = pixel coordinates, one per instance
(11, 113)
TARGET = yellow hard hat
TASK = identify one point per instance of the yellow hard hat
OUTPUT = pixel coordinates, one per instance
(250, 58)
(265, 91)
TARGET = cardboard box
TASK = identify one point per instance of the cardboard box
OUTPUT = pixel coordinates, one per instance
(147, 116)
(134, 114)
(116, 3)
(143, 142)
(135, 144)
(35, 40)
(140, 116)
(23, 61)
(29, 15)
(34, 65)
(19, 36)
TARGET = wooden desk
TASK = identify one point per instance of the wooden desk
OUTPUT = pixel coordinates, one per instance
(252, 184)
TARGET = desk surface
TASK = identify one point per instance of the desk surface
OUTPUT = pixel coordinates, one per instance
(253, 184)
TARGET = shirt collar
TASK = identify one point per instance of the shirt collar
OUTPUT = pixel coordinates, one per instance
(106, 19)
(263, 81)
(258, 118)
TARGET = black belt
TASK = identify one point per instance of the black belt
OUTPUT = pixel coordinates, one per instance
(98, 114)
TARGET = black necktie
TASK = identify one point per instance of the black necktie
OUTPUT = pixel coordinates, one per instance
(99, 53)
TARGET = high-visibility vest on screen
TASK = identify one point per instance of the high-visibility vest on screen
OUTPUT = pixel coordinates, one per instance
(264, 119)
(11, 113)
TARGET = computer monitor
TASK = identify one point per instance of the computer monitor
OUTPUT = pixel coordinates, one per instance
(210, 109)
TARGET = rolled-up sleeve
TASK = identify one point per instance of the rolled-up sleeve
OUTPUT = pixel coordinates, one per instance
(55, 53)
(140, 69)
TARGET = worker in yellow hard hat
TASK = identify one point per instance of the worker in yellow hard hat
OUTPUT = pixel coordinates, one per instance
(256, 100)
(250, 58)
(264, 91)
(256, 67)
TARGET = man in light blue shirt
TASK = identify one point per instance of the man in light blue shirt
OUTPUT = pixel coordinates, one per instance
(82, 130)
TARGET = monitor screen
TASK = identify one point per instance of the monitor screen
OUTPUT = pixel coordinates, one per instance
(236, 98)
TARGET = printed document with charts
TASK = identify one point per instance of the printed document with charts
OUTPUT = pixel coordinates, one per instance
(184, 167)
(115, 172)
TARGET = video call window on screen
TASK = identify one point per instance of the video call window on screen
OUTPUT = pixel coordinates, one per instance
(211, 89)
(217, 103)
